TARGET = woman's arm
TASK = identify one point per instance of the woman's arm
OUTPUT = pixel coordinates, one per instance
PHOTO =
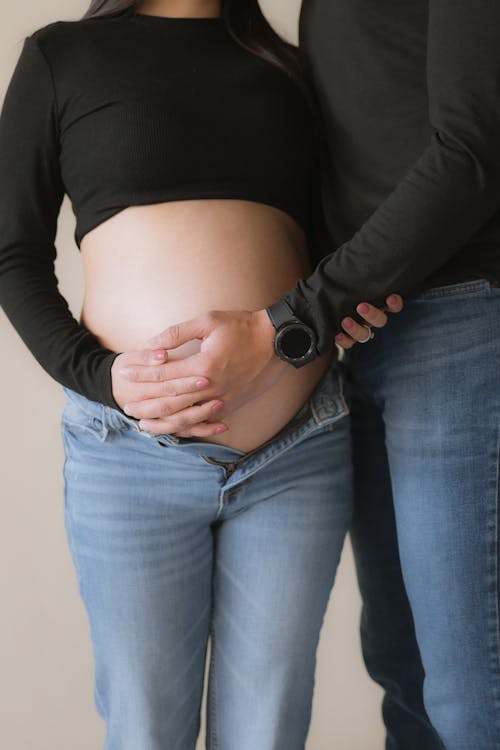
(31, 193)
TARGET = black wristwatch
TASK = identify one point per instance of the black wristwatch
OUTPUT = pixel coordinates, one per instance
(294, 341)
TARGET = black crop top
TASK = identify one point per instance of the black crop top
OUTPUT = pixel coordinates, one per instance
(128, 110)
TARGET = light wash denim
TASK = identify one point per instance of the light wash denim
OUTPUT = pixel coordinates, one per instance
(425, 418)
(176, 539)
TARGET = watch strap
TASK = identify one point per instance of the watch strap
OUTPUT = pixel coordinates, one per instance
(280, 312)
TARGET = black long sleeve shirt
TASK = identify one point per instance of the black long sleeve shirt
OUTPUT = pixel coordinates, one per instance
(410, 97)
(126, 110)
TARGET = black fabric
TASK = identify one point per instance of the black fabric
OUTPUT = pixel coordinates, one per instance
(410, 96)
(129, 110)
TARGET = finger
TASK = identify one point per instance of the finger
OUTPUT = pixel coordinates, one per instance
(394, 303)
(173, 389)
(182, 420)
(179, 333)
(159, 408)
(143, 357)
(346, 342)
(354, 330)
(204, 430)
(373, 316)
(175, 369)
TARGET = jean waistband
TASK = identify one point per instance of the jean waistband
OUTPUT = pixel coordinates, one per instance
(326, 404)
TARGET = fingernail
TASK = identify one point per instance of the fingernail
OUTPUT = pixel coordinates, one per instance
(218, 407)
(202, 383)
(159, 354)
(363, 309)
(393, 299)
(222, 428)
(348, 323)
(338, 337)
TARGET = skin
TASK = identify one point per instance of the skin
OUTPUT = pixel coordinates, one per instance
(176, 8)
(236, 358)
(236, 361)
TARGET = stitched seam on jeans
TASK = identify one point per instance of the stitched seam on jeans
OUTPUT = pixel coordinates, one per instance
(100, 433)
(273, 456)
(212, 692)
(231, 466)
(84, 419)
(340, 382)
(495, 646)
(220, 506)
(114, 425)
(452, 290)
(69, 514)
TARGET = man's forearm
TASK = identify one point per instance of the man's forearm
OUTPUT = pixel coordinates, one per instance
(449, 193)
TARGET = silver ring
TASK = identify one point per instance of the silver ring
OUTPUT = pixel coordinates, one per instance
(370, 336)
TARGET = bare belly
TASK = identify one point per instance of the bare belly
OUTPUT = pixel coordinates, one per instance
(148, 267)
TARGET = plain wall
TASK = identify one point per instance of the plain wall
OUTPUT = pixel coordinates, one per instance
(46, 682)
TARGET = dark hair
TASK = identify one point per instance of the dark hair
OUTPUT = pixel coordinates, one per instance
(245, 22)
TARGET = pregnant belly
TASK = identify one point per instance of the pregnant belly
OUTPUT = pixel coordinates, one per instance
(148, 267)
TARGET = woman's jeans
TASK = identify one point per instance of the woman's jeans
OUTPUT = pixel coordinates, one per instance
(174, 540)
(425, 416)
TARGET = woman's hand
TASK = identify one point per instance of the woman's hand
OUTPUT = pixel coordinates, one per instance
(237, 357)
(250, 368)
(164, 389)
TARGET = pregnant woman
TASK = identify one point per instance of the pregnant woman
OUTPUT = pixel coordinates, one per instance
(185, 140)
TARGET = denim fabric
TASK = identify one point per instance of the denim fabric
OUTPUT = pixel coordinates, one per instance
(425, 416)
(175, 540)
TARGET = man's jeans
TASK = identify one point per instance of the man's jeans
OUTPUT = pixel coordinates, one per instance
(173, 539)
(426, 428)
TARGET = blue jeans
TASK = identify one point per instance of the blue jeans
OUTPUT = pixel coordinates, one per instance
(174, 540)
(425, 416)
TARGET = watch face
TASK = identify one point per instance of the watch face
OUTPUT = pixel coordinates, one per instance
(295, 342)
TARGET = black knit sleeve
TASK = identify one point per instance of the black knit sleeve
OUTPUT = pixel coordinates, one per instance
(31, 193)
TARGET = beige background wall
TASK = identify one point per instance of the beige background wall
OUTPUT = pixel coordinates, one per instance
(46, 674)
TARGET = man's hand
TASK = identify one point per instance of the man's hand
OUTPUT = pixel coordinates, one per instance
(237, 358)
(354, 332)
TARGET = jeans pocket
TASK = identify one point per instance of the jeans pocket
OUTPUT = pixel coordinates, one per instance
(473, 286)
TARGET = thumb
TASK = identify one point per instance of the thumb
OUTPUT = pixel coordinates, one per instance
(179, 333)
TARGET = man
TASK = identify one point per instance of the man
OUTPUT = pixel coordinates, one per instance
(410, 95)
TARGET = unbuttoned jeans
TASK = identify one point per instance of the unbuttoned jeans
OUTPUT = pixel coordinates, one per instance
(425, 416)
(174, 539)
